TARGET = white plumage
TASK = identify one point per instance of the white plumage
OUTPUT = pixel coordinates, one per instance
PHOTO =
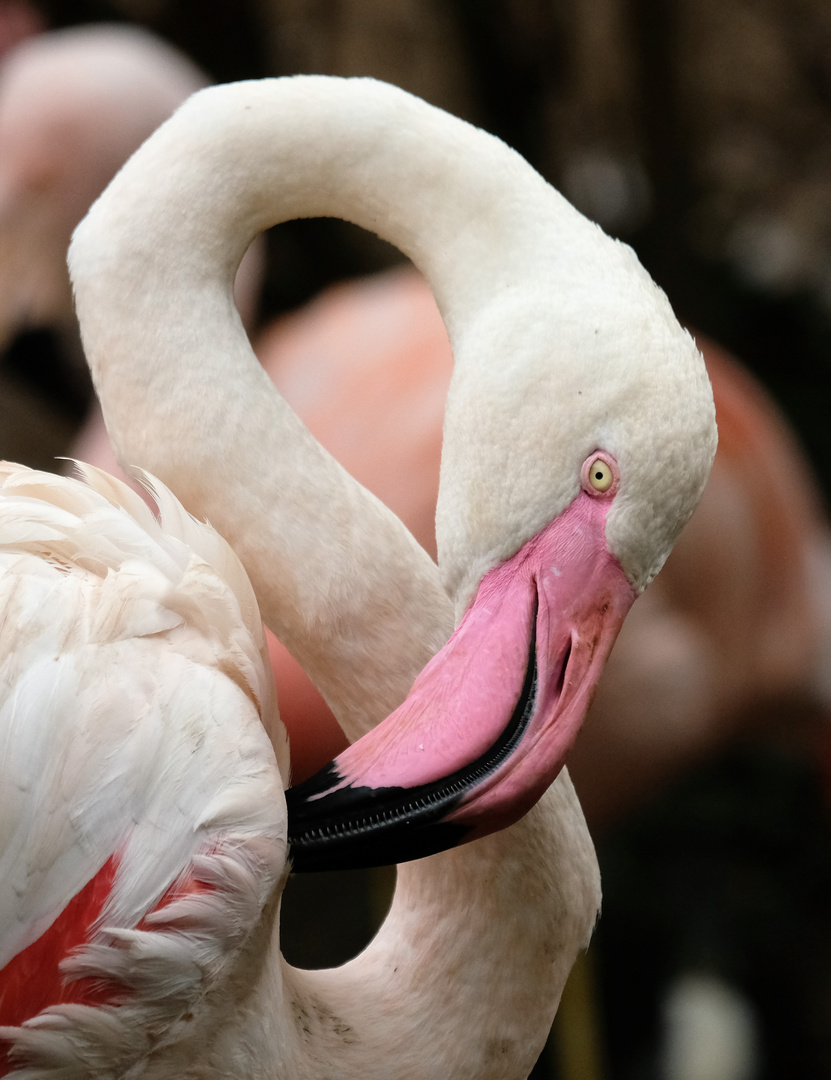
(135, 696)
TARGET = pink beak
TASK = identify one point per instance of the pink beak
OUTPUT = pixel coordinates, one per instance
(489, 721)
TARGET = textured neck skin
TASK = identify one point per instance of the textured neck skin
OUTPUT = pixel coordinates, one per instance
(464, 977)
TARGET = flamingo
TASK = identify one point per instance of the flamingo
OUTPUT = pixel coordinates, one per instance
(18, 20)
(557, 506)
(74, 104)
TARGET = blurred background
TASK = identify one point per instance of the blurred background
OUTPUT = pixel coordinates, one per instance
(698, 131)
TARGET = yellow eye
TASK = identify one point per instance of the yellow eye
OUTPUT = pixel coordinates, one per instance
(600, 476)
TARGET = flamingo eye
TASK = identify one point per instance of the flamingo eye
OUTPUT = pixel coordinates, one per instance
(599, 474)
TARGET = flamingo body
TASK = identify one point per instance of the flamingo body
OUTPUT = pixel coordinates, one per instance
(148, 800)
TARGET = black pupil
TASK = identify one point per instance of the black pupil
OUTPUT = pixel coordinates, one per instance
(598, 475)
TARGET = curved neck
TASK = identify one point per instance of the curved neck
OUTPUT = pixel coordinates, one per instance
(183, 396)
(240, 158)
(462, 980)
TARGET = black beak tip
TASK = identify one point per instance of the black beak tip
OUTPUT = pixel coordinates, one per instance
(361, 827)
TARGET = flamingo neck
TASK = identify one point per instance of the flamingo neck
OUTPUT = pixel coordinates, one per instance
(509, 912)
(238, 159)
(182, 393)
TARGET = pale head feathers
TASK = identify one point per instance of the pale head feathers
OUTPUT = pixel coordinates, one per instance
(583, 355)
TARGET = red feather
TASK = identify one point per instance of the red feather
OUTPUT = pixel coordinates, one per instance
(32, 980)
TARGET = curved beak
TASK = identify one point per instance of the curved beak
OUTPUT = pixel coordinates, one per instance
(488, 722)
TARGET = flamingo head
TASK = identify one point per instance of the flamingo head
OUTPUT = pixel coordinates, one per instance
(579, 436)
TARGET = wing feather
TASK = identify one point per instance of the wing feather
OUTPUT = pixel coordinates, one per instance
(133, 698)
